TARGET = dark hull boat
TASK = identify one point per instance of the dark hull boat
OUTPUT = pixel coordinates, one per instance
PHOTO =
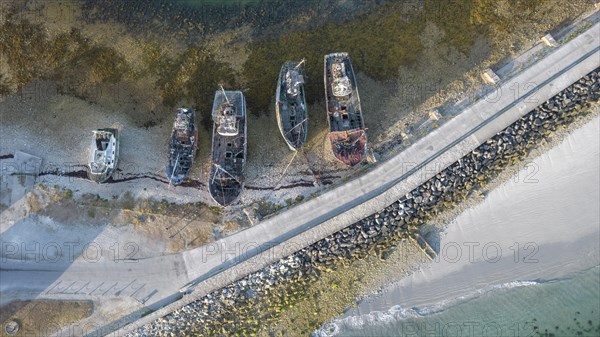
(290, 105)
(346, 126)
(104, 153)
(226, 179)
(182, 146)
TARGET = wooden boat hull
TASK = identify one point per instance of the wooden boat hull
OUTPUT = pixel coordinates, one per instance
(291, 112)
(183, 145)
(226, 178)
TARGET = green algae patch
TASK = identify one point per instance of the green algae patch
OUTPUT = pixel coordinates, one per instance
(384, 38)
(69, 58)
(203, 3)
(25, 47)
(81, 67)
(503, 16)
(193, 77)
(378, 42)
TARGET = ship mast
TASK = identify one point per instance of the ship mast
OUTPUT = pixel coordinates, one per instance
(297, 125)
(299, 64)
(174, 168)
(220, 168)
(223, 90)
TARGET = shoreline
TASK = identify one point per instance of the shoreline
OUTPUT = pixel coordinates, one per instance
(420, 321)
(553, 254)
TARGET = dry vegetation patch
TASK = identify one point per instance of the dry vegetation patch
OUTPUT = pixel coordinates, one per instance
(43, 317)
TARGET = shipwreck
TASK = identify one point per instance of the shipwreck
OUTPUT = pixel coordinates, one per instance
(182, 146)
(226, 179)
(347, 132)
(290, 105)
(103, 155)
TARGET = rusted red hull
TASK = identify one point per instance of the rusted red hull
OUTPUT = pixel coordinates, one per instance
(350, 147)
(347, 132)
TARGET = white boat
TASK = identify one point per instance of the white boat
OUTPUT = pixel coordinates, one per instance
(104, 153)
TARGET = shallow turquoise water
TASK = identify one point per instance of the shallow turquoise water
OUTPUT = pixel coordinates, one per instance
(565, 307)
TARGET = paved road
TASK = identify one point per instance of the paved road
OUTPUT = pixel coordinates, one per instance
(306, 223)
(147, 280)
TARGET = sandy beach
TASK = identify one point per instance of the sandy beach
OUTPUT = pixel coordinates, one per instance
(542, 225)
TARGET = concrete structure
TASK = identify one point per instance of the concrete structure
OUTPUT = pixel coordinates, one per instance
(435, 115)
(489, 76)
(549, 41)
(17, 176)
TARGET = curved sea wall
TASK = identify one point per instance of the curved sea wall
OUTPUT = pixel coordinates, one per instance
(245, 305)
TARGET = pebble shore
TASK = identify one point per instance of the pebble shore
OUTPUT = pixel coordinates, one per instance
(245, 306)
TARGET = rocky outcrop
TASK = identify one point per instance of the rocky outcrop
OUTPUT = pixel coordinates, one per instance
(242, 307)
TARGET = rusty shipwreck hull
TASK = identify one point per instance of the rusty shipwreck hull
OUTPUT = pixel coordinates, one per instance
(350, 147)
(347, 132)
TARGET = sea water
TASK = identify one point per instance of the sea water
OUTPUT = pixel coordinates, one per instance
(563, 307)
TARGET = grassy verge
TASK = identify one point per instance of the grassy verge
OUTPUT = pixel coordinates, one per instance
(43, 317)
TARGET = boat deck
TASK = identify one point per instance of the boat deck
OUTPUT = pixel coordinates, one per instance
(182, 146)
(343, 111)
(291, 109)
(228, 149)
(104, 154)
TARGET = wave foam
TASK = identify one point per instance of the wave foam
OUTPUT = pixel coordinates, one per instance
(397, 313)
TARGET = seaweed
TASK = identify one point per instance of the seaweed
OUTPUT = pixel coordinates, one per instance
(379, 42)
(193, 77)
(505, 16)
(68, 58)
(4, 85)
(25, 44)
